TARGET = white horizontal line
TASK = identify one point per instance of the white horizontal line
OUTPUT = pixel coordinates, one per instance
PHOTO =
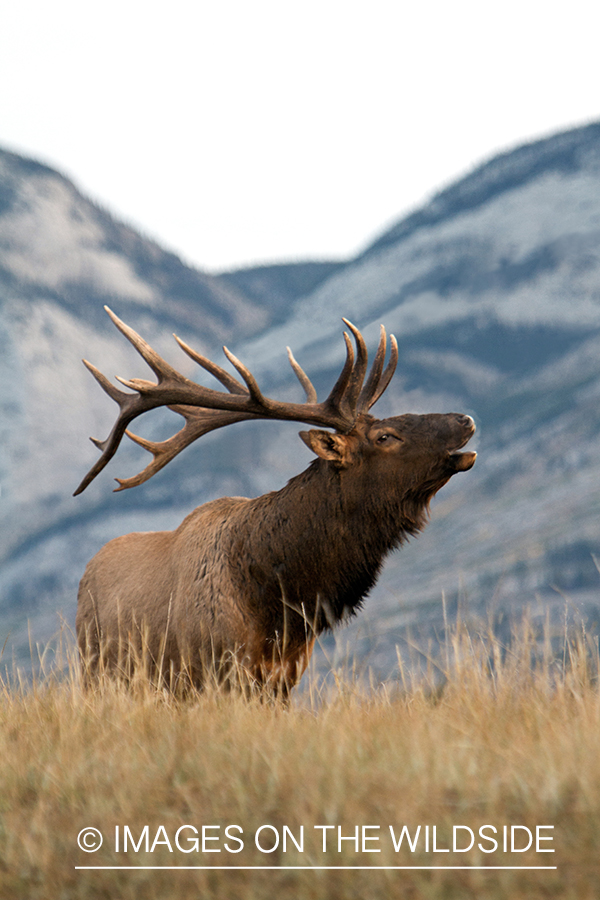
(370, 868)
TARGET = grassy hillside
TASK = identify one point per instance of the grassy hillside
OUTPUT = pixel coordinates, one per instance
(508, 737)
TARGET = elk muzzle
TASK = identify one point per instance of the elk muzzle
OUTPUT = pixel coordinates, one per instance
(460, 461)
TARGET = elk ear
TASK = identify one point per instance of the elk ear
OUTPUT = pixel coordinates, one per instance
(327, 445)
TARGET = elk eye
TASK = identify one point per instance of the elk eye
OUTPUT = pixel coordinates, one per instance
(389, 437)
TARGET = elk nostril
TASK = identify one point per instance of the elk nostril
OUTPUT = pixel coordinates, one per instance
(465, 420)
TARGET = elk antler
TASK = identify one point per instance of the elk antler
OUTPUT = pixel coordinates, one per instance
(205, 409)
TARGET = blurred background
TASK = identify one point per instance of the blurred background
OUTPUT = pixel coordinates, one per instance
(248, 175)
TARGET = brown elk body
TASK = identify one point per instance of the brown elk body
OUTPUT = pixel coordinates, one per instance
(248, 584)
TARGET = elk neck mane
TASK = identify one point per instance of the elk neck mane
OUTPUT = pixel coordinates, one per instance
(340, 531)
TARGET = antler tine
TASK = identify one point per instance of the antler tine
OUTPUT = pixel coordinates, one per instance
(388, 374)
(130, 406)
(159, 366)
(346, 390)
(109, 447)
(107, 386)
(359, 371)
(370, 385)
(248, 377)
(197, 423)
(227, 380)
(309, 390)
(336, 395)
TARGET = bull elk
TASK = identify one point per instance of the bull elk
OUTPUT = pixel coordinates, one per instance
(250, 583)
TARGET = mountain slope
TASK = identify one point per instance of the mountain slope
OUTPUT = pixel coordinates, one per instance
(562, 154)
(55, 243)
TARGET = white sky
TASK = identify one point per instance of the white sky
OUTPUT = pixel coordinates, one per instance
(244, 131)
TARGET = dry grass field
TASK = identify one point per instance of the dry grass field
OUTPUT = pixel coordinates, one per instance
(507, 742)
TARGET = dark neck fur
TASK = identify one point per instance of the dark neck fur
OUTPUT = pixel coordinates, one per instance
(323, 538)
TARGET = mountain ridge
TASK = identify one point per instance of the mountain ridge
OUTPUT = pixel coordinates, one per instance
(560, 152)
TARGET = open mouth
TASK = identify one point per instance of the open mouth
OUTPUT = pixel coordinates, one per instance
(462, 461)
